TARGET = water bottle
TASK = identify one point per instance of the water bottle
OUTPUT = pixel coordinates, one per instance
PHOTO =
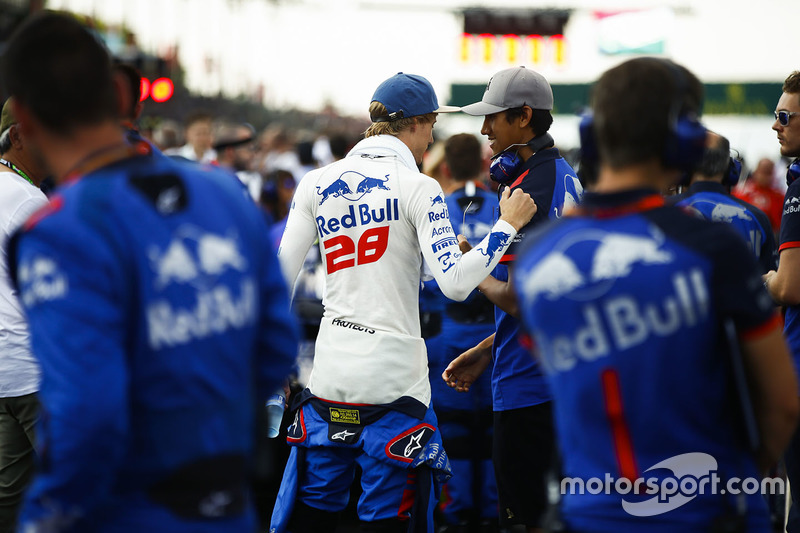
(275, 406)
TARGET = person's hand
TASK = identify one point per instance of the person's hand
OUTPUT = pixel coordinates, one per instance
(517, 207)
(465, 369)
(463, 244)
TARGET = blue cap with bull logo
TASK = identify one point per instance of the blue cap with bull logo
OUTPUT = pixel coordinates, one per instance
(407, 95)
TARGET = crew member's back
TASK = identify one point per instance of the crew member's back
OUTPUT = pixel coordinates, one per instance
(191, 316)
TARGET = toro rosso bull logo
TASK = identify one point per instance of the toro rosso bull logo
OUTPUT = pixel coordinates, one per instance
(198, 297)
(336, 189)
(193, 255)
(614, 257)
(617, 253)
(367, 184)
(554, 276)
(343, 186)
(726, 213)
(497, 239)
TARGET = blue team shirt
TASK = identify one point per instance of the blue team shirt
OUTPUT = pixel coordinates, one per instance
(625, 305)
(712, 201)
(161, 321)
(463, 324)
(790, 238)
(517, 379)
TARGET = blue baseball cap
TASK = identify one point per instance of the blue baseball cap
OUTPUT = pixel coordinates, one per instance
(408, 95)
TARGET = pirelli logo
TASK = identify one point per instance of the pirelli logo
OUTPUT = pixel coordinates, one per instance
(345, 416)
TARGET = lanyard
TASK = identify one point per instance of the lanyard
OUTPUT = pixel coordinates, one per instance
(16, 169)
(103, 157)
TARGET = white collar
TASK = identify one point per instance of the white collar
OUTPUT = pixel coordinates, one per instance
(383, 146)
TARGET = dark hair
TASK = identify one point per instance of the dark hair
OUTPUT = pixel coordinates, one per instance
(792, 83)
(339, 145)
(634, 104)
(462, 153)
(715, 158)
(305, 153)
(133, 79)
(541, 119)
(60, 71)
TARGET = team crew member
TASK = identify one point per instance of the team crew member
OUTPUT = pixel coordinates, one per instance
(465, 420)
(156, 305)
(784, 285)
(628, 302)
(517, 107)
(368, 396)
(709, 195)
(20, 177)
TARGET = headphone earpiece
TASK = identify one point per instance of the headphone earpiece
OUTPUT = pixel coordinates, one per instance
(793, 171)
(731, 177)
(686, 142)
(505, 165)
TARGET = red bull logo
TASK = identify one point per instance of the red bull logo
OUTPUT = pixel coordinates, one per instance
(497, 240)
(624, 322)
(438, 199)
(614, 257)
(41, 280)
(335, 189)
(347, 182)
(360, 215)
(791, 205)
(194, 255)
(618, 252)
(728, 212)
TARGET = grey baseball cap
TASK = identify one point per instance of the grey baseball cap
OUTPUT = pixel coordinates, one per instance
(510, 88)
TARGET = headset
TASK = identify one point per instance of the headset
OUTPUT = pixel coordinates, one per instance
(793, 172)
(505, 165)
(686, 138)
(733, 172)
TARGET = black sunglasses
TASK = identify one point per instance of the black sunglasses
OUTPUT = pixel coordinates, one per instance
(784, 116)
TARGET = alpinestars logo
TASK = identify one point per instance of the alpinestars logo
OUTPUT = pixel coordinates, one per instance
(349, 436)
(342, 435)
(408, 445)
(297, 431)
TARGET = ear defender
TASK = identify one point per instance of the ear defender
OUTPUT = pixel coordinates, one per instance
(505, 165)
(793, 172)
(731, 177)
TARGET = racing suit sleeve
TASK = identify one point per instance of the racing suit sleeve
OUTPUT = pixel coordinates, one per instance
(457, 274)
(300, 233)
(72, 287)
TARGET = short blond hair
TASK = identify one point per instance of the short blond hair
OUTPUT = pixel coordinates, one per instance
(395, 127)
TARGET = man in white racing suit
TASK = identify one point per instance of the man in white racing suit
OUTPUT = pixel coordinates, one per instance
(377, 218)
